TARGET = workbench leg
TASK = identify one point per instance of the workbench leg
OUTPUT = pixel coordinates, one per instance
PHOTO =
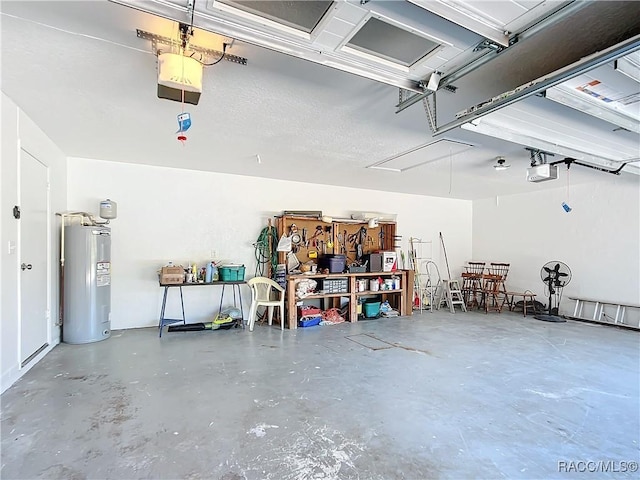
(291, 305)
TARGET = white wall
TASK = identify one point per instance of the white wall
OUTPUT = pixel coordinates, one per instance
(599, 239)
(167, 214)
(18, 131)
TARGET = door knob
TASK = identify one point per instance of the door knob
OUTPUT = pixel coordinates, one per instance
(26, 266)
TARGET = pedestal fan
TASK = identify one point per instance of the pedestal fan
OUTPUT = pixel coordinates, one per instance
(555, 276)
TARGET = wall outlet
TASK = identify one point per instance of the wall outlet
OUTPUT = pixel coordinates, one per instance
(213, 254)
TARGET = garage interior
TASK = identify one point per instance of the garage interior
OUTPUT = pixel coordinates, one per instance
(484, 131)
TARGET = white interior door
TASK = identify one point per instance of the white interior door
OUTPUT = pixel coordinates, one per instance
(34, 208)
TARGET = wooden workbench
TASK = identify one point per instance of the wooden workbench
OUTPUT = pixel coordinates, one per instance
(400, 299)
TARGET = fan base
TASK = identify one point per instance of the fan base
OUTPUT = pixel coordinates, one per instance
(549, 318)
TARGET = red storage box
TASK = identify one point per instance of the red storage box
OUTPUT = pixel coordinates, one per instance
(308, 311)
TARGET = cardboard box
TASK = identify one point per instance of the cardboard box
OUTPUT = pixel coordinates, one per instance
(171, 275)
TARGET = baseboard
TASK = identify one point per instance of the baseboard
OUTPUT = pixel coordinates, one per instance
(14, 374)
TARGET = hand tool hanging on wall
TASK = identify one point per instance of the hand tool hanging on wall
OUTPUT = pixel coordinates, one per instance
(341, 243)
(296, 238)
(360, 239)
(330, 241)
(314, 237)
(363, 235)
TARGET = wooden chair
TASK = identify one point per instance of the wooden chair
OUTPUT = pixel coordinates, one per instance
(501, 269)
(492, 295)
(472, 283)
(494, 290)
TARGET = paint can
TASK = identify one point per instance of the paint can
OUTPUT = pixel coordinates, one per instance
(374, 286)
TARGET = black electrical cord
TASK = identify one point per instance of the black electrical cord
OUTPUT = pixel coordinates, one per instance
(224, 49)
(569, 161)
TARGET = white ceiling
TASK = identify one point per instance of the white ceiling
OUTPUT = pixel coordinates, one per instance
(79, 71)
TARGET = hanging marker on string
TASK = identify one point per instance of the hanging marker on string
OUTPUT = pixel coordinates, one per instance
(566, 207)
(184, 122)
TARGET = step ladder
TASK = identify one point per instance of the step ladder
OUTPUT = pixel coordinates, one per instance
(420, 253)
(450, 295)
(433, 284)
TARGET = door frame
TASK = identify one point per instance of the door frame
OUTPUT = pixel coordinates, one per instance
(27, 362)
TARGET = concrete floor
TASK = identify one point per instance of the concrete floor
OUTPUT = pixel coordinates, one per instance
(429, 396)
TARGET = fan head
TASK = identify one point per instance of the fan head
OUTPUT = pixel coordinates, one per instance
(555, 274)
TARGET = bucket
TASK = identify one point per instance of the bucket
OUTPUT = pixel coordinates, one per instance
(371, 309)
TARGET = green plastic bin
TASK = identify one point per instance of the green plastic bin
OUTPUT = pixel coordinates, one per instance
(231, 273)
(371, 309)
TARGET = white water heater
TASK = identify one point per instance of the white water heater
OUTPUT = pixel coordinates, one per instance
(87, 284)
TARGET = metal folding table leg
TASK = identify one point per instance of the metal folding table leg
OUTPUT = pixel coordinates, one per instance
(221, 297)
(239, 300)
(164, 304)
(167, 321)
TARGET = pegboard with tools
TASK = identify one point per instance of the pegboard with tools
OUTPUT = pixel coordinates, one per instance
(311, 237)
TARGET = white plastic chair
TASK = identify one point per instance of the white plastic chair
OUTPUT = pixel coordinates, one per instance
(262, 289)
